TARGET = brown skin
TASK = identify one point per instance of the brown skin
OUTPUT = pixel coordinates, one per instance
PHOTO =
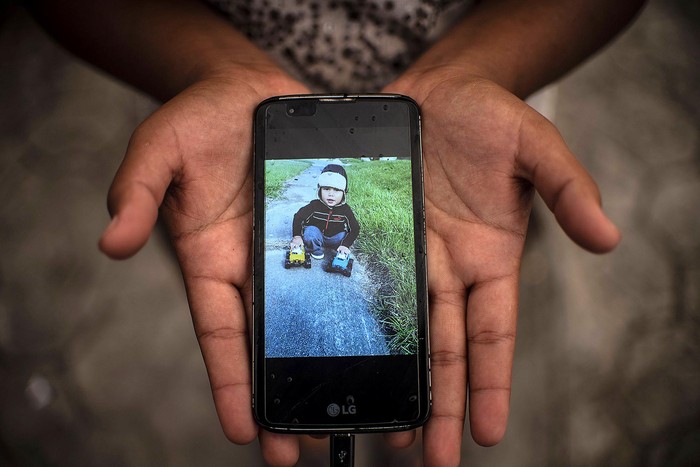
(478, 189)
(192, 158)
(484, 151)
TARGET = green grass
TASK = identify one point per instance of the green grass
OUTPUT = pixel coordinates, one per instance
(277, 172)
(380, 196)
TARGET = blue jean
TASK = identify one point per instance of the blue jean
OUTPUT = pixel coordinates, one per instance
(316, 241)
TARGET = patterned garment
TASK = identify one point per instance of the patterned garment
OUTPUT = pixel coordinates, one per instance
(343, 46)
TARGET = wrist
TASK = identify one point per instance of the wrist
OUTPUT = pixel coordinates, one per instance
(418, 82)
(214, 51)
(262, 76)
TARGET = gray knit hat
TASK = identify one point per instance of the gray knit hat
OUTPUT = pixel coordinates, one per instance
(333, 176)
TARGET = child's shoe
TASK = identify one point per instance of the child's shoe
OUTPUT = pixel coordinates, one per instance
(317, 255)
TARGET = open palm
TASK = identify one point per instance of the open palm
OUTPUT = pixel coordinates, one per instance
(484, 150)
(192, 159)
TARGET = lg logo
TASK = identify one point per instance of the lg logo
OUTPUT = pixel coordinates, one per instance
(333, 409)
(348, 408)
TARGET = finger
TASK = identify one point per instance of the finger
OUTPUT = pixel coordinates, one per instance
(400, 440)
(136, 193)
(279, 449)
(442, 435)
(220, 325)
(491, 321)
(566, 187)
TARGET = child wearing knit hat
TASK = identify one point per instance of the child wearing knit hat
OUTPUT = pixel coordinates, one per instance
(328, 221)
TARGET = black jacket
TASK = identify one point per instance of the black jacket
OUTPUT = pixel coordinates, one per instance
(331, 221)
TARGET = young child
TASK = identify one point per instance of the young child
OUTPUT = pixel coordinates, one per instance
(327, 222)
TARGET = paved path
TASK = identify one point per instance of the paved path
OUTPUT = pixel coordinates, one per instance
(310, 312)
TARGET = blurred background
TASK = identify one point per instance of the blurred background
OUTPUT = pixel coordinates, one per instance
(98, 361)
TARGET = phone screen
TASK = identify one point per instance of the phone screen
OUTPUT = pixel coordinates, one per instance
(339, 264)
(317, 302)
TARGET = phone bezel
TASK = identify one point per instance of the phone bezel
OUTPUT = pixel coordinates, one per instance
(422, 368)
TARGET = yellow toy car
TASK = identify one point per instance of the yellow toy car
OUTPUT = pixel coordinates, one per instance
(297, 256)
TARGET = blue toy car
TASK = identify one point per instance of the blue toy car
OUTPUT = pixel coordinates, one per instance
(342, 264)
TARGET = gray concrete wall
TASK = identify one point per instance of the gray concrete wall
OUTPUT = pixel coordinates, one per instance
(99, 364)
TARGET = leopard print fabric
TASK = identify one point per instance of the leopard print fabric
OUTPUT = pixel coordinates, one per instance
(343, 46)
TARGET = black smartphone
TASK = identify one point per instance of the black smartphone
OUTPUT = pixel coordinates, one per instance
(340, 293)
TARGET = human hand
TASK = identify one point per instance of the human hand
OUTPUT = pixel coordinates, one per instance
(484, 149)
(296, 241)
(193, 159)
(343, 250)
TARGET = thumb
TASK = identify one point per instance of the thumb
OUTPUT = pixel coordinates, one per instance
(136, 194)
(565, 185)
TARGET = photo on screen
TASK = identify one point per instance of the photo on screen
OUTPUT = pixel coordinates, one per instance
(340, 271)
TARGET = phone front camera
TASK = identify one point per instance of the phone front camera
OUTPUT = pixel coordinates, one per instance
(301, 109)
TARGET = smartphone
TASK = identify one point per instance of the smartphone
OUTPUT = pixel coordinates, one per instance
(340, 295)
